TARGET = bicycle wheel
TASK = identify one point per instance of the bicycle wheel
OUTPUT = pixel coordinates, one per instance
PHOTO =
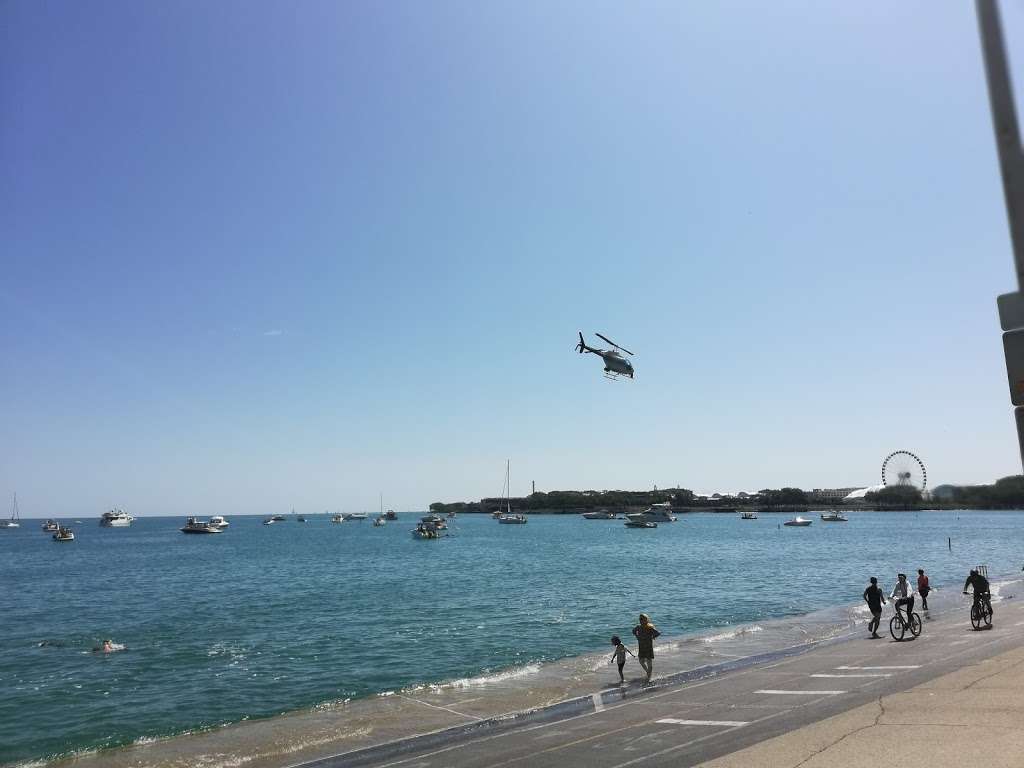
(915, 625)
(896, 628)
(988, 616)
(976, 617)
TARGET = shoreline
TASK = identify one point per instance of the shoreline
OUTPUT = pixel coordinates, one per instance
(503, 697)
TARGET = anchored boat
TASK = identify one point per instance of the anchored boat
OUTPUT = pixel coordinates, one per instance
(200, 526)
(798, 522)
(15, 519)
(63, 534)
(116, 518)
(835, 516)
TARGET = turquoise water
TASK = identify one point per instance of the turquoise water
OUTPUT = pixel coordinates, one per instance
(262, 620)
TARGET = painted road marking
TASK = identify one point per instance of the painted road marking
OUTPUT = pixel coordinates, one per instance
(598, 704)
(866, 674)
(801, 693)
(726, 723)
(905, 666)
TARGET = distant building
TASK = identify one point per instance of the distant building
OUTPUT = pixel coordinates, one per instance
(829, 495)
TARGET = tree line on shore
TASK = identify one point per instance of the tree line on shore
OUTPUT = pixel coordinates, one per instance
(1005, 493)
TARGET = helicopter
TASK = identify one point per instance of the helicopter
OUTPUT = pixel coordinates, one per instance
(615, 365)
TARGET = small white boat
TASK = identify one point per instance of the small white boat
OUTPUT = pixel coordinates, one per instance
(358, 516)
(219, 522)
(270, 521)
(64, 534)
(656, 513)
(799, 522)
(748, 515)
(380, 522)
(640, 524)
(15, 519)
(436, 520)
(201, 526)
(512, 519)
(278, 518)
(116, 518)
(337, 518)
(835, 516)
(506, 517)
(600, 514)
(450, 514)
(50, 526)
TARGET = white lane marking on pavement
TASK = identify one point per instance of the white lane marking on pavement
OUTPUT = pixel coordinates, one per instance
(1019, 624)
(598, 704)
(726, 723)
(865, 674)
(903, 666)
(959, 642)
(801, 693)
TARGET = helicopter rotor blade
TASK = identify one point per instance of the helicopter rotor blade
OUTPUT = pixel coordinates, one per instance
(614, 344)
(581, 346)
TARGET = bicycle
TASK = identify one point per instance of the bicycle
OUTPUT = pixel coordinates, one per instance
(898, 626)
(981, 612)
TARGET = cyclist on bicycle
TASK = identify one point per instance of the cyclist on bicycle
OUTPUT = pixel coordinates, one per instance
(981, 589)
(903, 595)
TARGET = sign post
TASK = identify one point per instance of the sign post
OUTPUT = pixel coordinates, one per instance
(1011, 165)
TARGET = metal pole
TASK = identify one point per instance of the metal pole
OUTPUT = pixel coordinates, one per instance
(1011, 165)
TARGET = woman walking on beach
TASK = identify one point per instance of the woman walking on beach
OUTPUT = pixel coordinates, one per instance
(645, 632)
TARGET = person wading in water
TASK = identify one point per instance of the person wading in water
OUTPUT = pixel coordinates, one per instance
(645, 632)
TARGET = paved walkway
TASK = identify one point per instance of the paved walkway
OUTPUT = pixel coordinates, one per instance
(949, 694)
(972, 715)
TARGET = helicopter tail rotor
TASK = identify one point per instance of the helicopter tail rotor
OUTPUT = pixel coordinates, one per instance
(581, 346)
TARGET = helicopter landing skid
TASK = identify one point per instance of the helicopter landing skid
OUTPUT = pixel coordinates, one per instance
(612, 376)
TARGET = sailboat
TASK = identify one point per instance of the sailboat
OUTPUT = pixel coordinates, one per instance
(507, 518)
(15, 521)
(381, 519)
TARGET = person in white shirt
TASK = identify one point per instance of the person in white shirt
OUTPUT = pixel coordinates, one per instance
(903, 595)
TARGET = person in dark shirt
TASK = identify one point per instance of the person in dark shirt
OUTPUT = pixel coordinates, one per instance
(645, 632)
(981, 589)
(874, 597)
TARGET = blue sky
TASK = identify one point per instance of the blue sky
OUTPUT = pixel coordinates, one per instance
(259, 256)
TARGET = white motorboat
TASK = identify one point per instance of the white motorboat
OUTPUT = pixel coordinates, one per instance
(436, 520)
(600, 514)
(834, 516)
(451, 513)
(380, 522)
(337, 518)
(270, 521)
(15, 519)
(116, 518)
(748, 515)
(201, 526)
(50, 526)
(355, 516)
(656, 513)
(219, 521)
(640, 524)
(63, 534)
(798, 522)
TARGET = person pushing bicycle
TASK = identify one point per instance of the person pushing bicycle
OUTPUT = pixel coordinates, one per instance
(981, 589)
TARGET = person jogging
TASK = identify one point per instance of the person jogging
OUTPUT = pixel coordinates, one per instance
(875, 598)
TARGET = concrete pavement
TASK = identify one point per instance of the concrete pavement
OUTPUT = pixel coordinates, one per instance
(848, 703)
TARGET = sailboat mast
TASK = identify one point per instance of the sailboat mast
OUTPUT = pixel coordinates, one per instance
(508, 486)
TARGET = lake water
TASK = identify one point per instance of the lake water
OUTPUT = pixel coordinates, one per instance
(264, 620)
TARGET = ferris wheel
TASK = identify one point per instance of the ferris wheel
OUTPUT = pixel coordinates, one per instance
(903, 468)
